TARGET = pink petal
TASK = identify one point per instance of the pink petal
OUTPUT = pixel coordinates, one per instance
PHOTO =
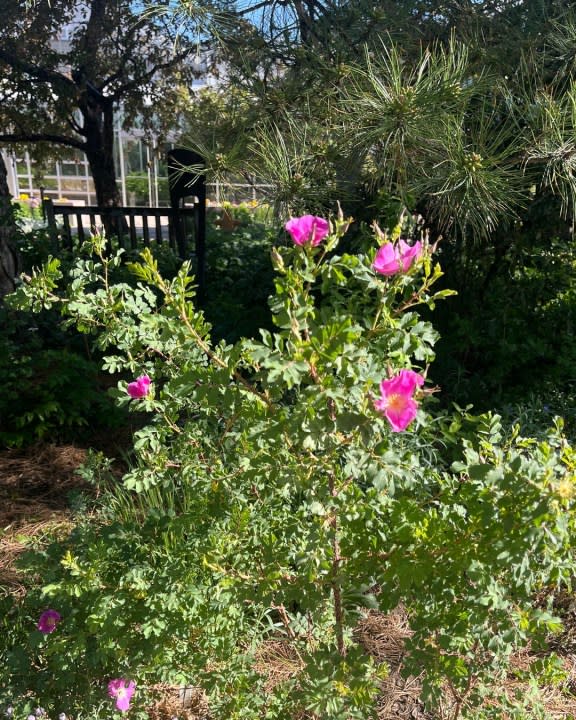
(307, 229)
(320, 229)
(403, 383)
(400, 418)
(139, 388)
(396, 401)
(123, 692)
(408, 381)
(299, 229)
(48, 620)
(386, 260)
(409, 253)
(114, 686)
(391, 258)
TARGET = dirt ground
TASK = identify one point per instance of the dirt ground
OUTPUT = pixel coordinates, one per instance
(36, 487)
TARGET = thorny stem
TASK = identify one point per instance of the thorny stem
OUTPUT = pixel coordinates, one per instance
(377, 316)
(285, 620)
(336, 590)
(206, 349)
(460, 697)
(169, 422)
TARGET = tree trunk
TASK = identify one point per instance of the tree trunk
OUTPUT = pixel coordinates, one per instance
(104, 176)
(99, 132)
(9, 261)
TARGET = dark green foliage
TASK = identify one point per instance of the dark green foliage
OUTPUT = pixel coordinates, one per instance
(34, 247)
(51, 388)
(511, 338)
(239, 278)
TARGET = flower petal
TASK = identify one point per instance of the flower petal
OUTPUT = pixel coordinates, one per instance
(139, 388)
(396, 401)
(386, 260)
(48, 620)
(401, 415)
(307, 229)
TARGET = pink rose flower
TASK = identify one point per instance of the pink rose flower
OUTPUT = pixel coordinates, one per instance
(122, 690)
(391, 259)
(48, 621)
(139, 388)
(307, 229)
(397, 402)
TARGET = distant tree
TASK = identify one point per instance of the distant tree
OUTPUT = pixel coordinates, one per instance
(67, 68)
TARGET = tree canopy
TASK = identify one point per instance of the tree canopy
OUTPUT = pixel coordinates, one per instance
(68, 67)
(463, 110)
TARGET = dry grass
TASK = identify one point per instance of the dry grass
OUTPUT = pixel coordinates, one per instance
(384, 636)
(277, 661)
(171, 701)
(34, 490)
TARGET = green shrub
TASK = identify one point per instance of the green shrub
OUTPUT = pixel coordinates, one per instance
(239, 278)
(53, 387)
(271, 501)
(513, 339)
(137, 183)
(51, 390)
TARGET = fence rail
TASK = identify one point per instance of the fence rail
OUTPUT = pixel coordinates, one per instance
(132, 227)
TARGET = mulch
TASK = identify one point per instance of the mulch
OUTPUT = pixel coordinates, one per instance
(35, 487)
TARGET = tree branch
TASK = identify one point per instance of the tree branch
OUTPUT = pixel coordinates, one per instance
(252, 8)
(122, 62)
(39, 73)
(141, 79)
(42, 137)
(75, 126)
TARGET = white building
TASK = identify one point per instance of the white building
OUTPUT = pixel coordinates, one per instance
(141, 175)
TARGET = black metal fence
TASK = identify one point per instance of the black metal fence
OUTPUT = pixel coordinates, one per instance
(131, 228)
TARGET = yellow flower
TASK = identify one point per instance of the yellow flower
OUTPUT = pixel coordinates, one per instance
(566, 488)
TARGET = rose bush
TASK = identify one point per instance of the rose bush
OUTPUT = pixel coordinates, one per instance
(274, 497)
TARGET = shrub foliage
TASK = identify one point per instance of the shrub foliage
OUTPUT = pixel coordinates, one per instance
(270, 501)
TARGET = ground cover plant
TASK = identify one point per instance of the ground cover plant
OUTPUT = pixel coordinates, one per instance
(281, 488)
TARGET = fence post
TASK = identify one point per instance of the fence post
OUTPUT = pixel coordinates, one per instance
(178, 223)
(48, 212)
